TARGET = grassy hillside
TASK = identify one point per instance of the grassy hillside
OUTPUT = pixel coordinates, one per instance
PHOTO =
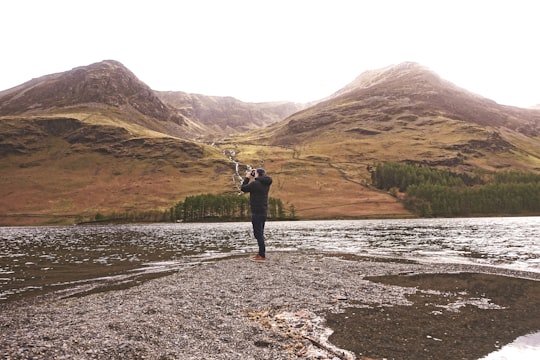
(97, 140)
(407, 114)
(58, 169)
(318, 186)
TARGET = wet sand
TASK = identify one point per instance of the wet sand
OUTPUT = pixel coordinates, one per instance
(295, 306)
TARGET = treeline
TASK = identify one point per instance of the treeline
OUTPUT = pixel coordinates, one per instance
(210, 207)
(436, 193)
(400, 176)
(206, 207)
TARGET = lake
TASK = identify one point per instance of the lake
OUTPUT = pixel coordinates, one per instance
(80, 259)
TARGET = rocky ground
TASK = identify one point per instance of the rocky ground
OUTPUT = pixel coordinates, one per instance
(294, 306)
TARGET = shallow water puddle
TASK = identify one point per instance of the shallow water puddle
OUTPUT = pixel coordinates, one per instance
(525, 347)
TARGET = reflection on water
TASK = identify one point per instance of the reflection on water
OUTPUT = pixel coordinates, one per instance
(78, 258)
(39, 259)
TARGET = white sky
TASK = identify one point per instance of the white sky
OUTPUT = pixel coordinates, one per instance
(294, 50)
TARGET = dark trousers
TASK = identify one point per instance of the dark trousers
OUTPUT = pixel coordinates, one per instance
(258, 222)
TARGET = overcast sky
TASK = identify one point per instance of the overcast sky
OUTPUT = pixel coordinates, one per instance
(294, 50)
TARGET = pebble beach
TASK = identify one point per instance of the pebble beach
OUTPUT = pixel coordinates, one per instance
(296, 305)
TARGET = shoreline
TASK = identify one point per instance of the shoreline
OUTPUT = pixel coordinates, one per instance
(303, 305)
(63, 219)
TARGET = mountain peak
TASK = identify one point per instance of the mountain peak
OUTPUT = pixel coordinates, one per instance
(370, 77)
(405, 91)
(110, 63)
(408, 71)
(107, 83)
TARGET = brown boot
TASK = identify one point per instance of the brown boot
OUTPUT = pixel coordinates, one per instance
(258, 258)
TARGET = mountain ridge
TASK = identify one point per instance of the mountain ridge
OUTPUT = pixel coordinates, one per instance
(110, 84)
(106, 87)
(117, 145)
(227, 113)
(430, 87)
(412, 91)
(107, 82)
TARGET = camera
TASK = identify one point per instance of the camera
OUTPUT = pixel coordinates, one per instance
(252, 172)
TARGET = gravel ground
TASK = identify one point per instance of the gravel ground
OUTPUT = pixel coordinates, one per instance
(294, 306)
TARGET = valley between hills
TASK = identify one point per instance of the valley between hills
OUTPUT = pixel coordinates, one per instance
(95, 139)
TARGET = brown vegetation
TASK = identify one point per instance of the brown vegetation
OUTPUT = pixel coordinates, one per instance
(96, 139)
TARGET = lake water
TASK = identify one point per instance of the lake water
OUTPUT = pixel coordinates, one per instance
(78, 259)
(34, 260)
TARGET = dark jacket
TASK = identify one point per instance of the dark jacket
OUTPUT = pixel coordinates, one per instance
(258, 194)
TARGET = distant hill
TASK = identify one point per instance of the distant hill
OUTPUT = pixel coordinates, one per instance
(107, 82)
(95, 139)
(417, 83)
(403, 113)
(408, 113)
(106, 87)
(227, 114)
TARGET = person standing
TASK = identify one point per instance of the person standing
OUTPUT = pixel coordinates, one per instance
(258, 201)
